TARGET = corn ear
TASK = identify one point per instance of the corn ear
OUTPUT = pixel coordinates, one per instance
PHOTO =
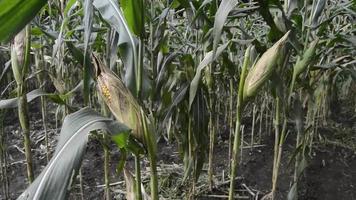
(119, 99)
(304, 61)
(18, 55)
(263, 68)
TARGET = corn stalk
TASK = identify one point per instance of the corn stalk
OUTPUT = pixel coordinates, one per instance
(20, 53)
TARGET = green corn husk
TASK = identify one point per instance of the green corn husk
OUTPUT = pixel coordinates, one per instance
(304, 61)
(263, 68)
(127, 111)
(119, 99)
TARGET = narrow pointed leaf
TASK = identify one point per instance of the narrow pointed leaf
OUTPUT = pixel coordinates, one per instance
(206, 61)
(55, 179)
(220, 17)
(13, 103)
(56, 98)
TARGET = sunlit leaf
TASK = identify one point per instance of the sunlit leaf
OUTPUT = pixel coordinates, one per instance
(134, 15)
(15, 14)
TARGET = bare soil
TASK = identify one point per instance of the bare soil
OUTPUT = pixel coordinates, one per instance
(330, 174)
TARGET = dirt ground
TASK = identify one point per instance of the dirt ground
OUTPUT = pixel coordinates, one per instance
(330, 174)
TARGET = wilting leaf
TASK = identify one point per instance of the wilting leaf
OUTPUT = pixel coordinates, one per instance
(56, 178)
(12, 103)
(15, 14)
(206, 61)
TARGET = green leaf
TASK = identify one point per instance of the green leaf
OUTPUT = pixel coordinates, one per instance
(55, 179)
(274, 33)
(12, 103)
(56, 98)
(88, 20)
(317, 10)
(220, 17)
(200, 10)
(128, 143)
(134, 15)
(206, 61)
(122, 161)
(178, 98)
(121, 140)
(68, 7)
(110, 11)
(293, 192)
(15, 14)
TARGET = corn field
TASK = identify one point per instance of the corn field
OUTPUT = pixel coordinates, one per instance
(178, 99)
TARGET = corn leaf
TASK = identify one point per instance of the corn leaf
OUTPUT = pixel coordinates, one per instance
(206, 61)
(55, 179)
(15, 14)
(110, 11)
(220, 17)
(12, 103)
(56, 98)
(317, 10)
(88, 20)
(134, 14)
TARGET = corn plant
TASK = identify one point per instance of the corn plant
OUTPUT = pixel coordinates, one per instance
(176, 73)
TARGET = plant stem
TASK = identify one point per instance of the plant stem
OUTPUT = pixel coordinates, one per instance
(212, 140)
(106, 166)
(253, 125)
(19, 66)
(239, 107)
(235, 152)
(41, 83)
(276, 145)
(138, 192)
(3, 158)
(231, 119)
(152, 155)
